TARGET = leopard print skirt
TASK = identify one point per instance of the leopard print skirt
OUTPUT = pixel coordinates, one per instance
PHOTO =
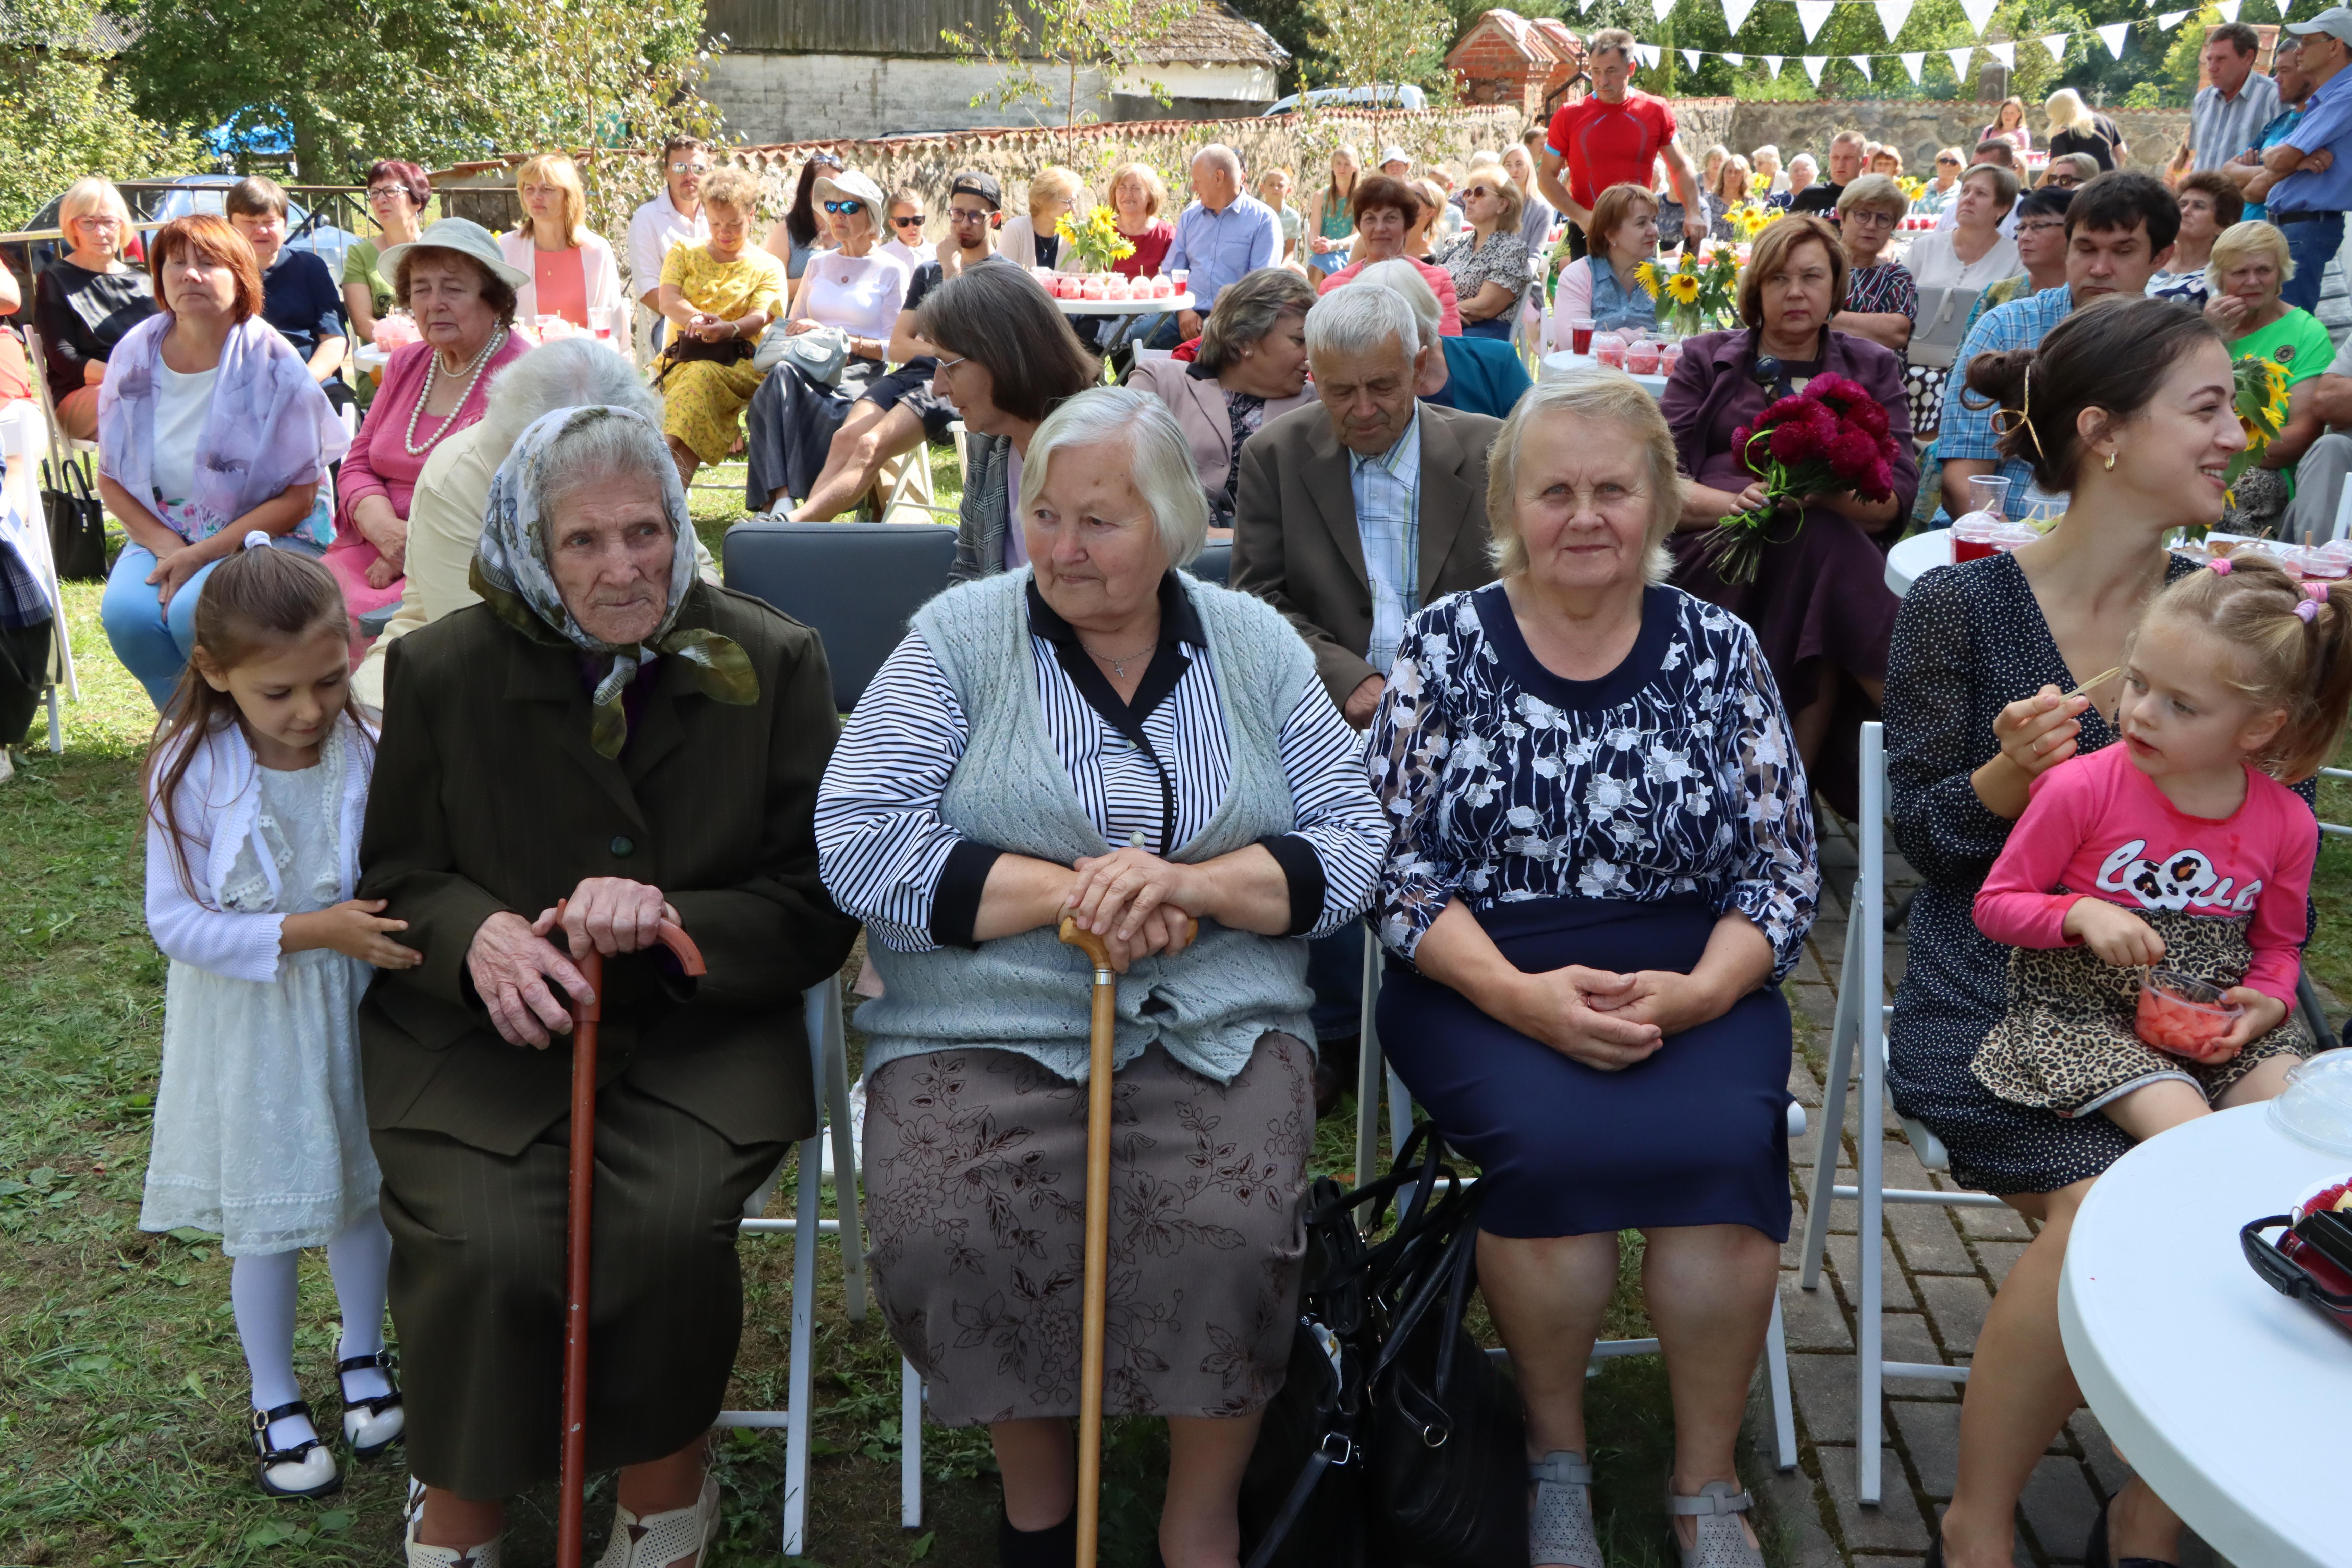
(976, 1182)
(2066, 1043)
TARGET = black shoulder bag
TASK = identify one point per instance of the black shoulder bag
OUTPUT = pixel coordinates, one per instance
(76, 523)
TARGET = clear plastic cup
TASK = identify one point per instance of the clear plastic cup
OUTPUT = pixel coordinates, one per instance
(1178, 278)
(1609, 348)
(1579, 334)
(2008, 536)
(1641, 357)
(2182, 1013)
(1972, 534)
(1670, 354)
(1989, 493)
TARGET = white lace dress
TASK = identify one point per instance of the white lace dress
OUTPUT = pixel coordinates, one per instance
(260, 1123)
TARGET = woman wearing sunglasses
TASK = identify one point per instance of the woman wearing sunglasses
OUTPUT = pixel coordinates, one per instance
(854, 291)
(905, 239)
(803, 231)
(1488, 263)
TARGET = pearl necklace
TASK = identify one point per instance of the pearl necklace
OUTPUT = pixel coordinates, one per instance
(424, 395)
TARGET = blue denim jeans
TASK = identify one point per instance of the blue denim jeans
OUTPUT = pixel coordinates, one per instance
(2312, 244)
(151, 639)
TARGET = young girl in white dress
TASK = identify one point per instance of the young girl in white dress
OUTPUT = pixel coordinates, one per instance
(256, 784)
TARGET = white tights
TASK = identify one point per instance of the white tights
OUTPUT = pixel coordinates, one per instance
(262, 1288)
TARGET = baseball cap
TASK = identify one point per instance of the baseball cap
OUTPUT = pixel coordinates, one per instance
(1395, 155)
(977, 184)
(2335, 22)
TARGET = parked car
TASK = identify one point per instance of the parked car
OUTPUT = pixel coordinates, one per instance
(161, 201)
(1379, 95)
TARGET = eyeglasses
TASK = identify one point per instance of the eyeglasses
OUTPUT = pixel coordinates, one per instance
(385, 193)
(689, 168)
(968, 215)
(1862, 217)
(941, 367)
(1955, 163)
(1478, 191)
(845, 208)
(914, 221)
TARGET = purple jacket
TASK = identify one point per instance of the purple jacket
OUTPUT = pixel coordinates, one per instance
(1711, 388)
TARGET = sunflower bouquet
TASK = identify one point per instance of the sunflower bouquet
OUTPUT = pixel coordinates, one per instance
(1697, 290)
(2261, 400)
(1751, 218)
(1096, 242)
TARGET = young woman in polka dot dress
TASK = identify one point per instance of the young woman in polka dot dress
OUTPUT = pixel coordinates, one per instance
(2128, 404)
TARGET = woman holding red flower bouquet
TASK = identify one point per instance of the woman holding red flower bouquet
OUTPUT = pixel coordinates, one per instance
(1813, 581)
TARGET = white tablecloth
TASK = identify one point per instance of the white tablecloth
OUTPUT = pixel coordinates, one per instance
(1555, 365)
(1123, 307)
(2230, 1400)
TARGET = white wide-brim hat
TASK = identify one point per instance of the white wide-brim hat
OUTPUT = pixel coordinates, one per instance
(850, 185)
(466, 238)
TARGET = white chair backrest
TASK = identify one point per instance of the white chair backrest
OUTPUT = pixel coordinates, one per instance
(2343, 527)
(1936, 330)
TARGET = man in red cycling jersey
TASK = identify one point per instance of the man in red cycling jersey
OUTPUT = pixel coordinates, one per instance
(1611, 138)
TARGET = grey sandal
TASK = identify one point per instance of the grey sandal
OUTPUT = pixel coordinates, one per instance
(1721, 1543)
(1559, 1521)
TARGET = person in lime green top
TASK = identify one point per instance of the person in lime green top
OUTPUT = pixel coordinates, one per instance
(2250, 265)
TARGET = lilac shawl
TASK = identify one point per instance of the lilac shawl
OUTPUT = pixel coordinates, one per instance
(269, 427)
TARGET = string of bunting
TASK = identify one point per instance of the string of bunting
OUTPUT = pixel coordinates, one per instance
(1814, 15)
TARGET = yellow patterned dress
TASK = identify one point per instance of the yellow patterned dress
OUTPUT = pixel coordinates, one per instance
(703, 400)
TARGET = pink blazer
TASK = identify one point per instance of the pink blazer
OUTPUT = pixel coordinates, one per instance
(1199, 404)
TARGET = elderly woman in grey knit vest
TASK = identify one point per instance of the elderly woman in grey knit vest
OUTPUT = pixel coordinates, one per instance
(1102, 733)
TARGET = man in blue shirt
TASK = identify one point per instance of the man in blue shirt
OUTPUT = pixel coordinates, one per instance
(2314, 161)
(2120, 231)
(1221, 235)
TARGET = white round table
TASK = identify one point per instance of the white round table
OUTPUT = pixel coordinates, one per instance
(1913, 558)
(2228, 1399)
(1128, 306)
(1567, 362)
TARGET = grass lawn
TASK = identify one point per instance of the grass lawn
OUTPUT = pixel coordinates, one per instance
(122, 1395)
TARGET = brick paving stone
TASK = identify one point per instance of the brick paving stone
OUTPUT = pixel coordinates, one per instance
(1929, 1431)
(2059, 1506)
(1816, 1005)
(1903, 1336)
(1797, 1518)
(1895, 1290)
(1802, 1085)
(1999, 1257)
(1924, 1236)
(1994, 1224)
(1812, 1317)
(1957, 1303)
(2105, 1464)
(1894, 1525)
(1824, 1386)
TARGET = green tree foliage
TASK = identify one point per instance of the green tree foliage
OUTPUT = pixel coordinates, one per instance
(432, 80)
(62, 117)
(1390, 41)
(1039, 48)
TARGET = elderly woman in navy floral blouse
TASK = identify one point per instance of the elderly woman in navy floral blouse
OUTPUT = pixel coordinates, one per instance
(1604, 862)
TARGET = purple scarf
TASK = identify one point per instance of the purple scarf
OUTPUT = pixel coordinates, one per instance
(270, 426)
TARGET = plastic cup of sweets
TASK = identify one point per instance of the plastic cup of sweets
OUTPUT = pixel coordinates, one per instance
(2181, 1014)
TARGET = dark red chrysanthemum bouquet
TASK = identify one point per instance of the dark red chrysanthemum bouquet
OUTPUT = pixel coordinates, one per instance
(1830, 437)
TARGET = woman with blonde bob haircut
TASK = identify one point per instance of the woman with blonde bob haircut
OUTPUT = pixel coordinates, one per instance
(572, 272)
(87, 300)
(1601, 1032)
(1029, 240)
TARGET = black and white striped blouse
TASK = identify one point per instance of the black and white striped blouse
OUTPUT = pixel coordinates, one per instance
(1150, 774)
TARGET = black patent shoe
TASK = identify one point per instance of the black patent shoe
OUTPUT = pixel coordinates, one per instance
(306, 1469)
(371, 1425)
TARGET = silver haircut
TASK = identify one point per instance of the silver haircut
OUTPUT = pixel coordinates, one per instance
(1807, 160)
(1222, 156)
(1402, 279)
(1603, 396)
(595, 446)
(1159, 460)
(1352, 320)
(570, 372)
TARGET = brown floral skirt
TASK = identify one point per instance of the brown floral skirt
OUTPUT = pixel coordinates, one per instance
(976, 1187)
(2067, 1043)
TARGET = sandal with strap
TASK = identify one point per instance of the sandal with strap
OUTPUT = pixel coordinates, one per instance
(420, 1555)
(371, 1425)
(305, 1470)
(1559, 1521)
(659, 1540)
(1721, 1543)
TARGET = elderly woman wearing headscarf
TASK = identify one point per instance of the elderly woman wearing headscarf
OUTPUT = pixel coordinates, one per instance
(615, 732)
(1098, 732)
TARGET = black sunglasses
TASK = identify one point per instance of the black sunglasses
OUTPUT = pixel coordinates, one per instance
(845, 206)
(914, 222)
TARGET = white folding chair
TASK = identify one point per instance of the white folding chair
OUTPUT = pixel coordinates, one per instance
(22, 438)
(1367, 1077)
(828, 1055)
(1862, 993)
(906, 483)
(2342, 526)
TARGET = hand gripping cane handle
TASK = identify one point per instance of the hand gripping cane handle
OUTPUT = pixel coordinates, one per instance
(585, 1016)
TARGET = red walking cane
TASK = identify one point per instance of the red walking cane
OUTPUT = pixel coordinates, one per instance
(585, 1016)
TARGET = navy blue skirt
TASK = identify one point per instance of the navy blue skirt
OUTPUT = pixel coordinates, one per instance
(1697, 1135)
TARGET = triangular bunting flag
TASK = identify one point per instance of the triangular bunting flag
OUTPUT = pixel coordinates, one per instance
(2229, 9)
(1892, 15)
(1735, 59)
(1862, 64)
(1690, 58)
(1650, 55)
(1911, 63)
(1735, 16)
(1772, 66)
(2172, 19)
(2005, 53)
(2113, 35)
(1814, 63)
(2056, 44)
(1979, 12)
(1812, 14)
(1959, 58)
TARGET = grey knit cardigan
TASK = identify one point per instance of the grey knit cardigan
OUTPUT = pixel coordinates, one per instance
(1029, 992)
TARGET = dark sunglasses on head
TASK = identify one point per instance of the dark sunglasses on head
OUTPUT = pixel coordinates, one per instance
(914, 222)
(845, 206)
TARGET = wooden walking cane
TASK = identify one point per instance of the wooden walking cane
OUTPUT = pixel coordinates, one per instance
(585, 1016)
(1096, 1301)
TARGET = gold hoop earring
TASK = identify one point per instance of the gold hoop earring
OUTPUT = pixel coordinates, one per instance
(2111, 462)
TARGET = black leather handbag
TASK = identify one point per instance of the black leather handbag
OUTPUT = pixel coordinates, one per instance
(1395, 1441)
(77, 522)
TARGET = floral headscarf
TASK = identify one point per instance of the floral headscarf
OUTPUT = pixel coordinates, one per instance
(510, 572)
